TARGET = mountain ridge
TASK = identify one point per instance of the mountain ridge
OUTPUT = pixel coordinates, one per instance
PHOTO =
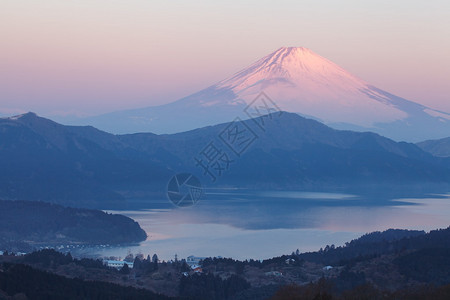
(85, 167)
(299, 81)
(439, 147)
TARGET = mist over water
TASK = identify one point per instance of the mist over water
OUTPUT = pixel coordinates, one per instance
(246, 224)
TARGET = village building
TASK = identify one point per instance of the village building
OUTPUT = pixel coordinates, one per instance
(194, 260)
(118, 264)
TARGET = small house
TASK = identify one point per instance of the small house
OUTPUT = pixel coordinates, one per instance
(118, 264)
(290, 261)
(194, 260)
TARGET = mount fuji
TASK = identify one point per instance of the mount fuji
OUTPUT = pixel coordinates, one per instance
(297, 80)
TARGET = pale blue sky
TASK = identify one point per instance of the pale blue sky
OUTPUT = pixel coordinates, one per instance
(94, 56)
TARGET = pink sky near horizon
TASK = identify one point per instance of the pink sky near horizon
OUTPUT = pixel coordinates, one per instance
(90, 57)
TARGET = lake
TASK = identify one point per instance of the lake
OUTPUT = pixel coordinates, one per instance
(262, 224)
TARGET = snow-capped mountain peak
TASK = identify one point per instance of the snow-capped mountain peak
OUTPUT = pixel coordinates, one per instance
(293, 63)
(299, 81)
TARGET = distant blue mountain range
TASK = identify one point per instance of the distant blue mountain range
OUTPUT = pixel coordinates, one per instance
(83, 166)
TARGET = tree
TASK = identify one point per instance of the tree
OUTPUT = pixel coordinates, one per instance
(137, 263)
(155, 258)
(129, 257)
(155, 261)
(239, 266)
(184, 266)
(125, 269)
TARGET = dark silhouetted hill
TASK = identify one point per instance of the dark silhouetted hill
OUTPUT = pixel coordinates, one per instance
(38, 223)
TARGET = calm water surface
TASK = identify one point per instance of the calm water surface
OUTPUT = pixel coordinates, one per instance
(246, 224)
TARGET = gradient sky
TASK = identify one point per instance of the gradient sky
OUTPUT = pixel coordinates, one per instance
(88, 57)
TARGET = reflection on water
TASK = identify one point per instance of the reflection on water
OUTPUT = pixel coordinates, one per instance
(245, 224)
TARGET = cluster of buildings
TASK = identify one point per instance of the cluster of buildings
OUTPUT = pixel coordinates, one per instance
(194, 264)
(192, 261)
